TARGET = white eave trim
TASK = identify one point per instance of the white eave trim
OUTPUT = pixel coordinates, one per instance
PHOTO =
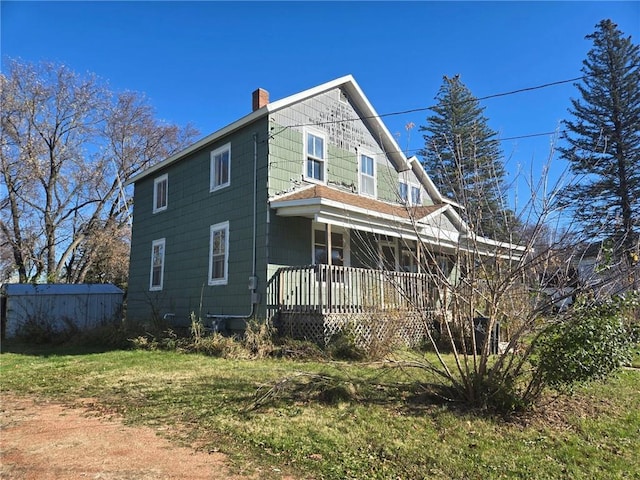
(348, 216)
(247, 119)
(357, 96)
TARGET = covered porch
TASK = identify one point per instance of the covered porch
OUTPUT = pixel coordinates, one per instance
(327, 289)
(369, 261)
(315, 302)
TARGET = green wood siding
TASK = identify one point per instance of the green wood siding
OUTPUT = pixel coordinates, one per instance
(281, 241)
(345, 140)
(185, 225)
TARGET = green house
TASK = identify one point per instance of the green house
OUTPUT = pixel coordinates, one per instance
(304, 212)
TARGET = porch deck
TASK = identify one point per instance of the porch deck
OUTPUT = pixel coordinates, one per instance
(316, 301)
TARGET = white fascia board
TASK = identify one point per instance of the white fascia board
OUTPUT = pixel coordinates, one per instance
(317, 208)
(440, 211)
(313, 205)
(399, 228)
(247, 119)
(493, 248)
(311, 92)
(428, 184)
(199, 144)
(495, 243)
(426, 181)
(378, 129)
(369, 116)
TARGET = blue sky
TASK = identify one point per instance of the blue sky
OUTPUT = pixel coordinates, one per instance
(198, 62)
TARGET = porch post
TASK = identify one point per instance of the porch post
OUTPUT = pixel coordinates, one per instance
(327, 230)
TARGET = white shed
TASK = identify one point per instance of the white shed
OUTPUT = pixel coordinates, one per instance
(58, 307)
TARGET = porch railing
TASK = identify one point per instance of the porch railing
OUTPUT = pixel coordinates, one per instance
(334, 289)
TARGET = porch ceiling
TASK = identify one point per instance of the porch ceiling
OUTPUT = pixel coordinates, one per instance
(337, 207)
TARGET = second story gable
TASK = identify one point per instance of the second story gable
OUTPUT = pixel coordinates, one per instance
(332, 136)
(329, 135)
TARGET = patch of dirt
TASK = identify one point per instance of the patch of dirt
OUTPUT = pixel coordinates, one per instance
(40, 440)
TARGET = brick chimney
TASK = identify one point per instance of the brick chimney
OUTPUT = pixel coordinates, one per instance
(260, 98)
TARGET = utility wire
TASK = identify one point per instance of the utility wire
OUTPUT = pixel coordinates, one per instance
(422, 109)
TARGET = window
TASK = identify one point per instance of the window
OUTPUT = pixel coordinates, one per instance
(388, 254)
(410, 194)
(404, 192)
(220, 167)
(160, 193)
(315, 157)
(416, 198)
(320, 248)
(367, 176)
(156, 277)
(219, 254)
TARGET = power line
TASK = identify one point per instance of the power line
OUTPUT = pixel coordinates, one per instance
(422, 109)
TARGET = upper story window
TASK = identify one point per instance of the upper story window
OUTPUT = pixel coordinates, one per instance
(156, 277)
(219, 254)
(416, 197)
(160, 193)
(410, 194)
(315, 160)
(367, 175)
(403, 190)
(220, 167)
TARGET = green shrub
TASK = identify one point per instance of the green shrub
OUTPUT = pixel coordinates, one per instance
(591, 344)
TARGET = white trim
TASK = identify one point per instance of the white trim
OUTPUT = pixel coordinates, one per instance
(356, 98)
(224, 226)
(156, 182)
(321, 135)
(403, 178)
(346, 240)
(160, 242)
(390, 243)
(220, 150)
(365, 153)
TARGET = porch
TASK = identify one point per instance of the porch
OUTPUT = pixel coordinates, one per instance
(315, 302)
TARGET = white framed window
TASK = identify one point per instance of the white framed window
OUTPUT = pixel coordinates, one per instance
(219, 254)
(403, 191)
(160, 193)
(220, 168)
(367, 175)
(315, 163)
(388, 254)
(410, 194)
(156, 276)
(340, 245)
(416, 196)
(320, 248)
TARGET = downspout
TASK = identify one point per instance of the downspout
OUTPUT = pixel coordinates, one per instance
(253, 279)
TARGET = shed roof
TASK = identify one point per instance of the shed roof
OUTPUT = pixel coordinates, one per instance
(11, 289)
(320, 192)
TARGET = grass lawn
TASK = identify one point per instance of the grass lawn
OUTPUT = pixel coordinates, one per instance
(340, 420)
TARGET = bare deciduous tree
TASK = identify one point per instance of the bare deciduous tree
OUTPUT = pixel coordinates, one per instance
(67, 146)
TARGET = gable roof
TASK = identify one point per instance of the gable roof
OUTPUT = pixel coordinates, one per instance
(356, 96)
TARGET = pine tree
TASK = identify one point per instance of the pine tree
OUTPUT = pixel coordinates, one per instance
(463, 158)
(604, 141)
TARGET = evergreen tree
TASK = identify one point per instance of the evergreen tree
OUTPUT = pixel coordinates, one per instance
(463, 158)
(603, 141)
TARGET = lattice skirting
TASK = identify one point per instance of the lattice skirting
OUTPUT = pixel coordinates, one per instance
(402, 328)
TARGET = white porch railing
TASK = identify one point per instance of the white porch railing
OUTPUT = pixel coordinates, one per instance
(329, 289)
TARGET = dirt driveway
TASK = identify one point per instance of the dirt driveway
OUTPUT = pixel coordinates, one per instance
(49, 441)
